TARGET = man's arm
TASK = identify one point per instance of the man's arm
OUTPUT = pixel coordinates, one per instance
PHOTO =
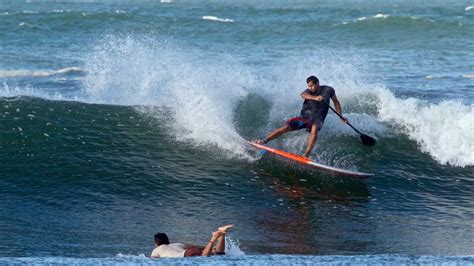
(155, 254)
(337, 104)
(308, 96)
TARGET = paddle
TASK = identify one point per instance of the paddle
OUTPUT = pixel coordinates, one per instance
(366, 140)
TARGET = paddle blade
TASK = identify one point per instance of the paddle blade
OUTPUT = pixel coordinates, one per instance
(367, 140)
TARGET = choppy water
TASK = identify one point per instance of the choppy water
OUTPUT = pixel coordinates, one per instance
(253, 259)
(118, 120)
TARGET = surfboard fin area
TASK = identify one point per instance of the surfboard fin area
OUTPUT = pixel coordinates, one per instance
(307, 162)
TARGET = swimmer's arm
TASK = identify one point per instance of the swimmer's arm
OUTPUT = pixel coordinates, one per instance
(155, 253)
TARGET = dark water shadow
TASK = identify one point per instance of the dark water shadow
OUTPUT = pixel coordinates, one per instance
(314, 213)
(318, 184)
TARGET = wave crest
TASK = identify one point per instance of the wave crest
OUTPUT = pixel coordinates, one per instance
(201, 92)
(444, 130)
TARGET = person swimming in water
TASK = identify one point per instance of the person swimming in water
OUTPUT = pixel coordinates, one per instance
(165, 249)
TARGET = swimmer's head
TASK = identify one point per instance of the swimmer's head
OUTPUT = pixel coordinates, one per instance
(161, 238)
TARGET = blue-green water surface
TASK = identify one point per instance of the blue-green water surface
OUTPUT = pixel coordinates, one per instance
(121, 119)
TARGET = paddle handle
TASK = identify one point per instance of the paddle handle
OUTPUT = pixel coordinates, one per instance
(342, 117)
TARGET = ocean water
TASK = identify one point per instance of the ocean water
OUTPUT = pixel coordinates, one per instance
(120, 119)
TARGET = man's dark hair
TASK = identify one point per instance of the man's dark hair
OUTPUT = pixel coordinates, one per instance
(161, 239)
(313, 79)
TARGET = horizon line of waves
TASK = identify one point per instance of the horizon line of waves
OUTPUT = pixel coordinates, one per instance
(10, 92)
(441, 76)
(19, 12)
(60, 11)
(384, 20)
(42, 19)
(40, 73)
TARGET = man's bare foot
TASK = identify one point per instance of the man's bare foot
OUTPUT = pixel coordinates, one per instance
(225, 228)
(305, 155)
(260, 141)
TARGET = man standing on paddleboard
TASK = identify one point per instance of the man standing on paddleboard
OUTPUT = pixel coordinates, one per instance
(312, 116)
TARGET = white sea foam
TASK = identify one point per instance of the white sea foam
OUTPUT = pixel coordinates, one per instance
(381, 16)
(196, 89)
(213, 18)
(201, 97)
(18, 12)
(25, 24)
(373, 17)
(166, 1)
(232, 247)
(377, 16)
(469, 76)
(33, 12)
(444, 130)
(422, 18)
(439, 76)
(37, 73)
(469, 8)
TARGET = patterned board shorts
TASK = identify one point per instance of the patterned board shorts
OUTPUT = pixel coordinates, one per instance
(193, 251)
(297, 123)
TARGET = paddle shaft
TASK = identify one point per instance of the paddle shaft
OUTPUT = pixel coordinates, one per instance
(342, 117)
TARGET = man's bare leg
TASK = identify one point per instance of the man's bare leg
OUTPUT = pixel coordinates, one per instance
(312, 138)
(276, 133)
(220, 247)
(207, 250)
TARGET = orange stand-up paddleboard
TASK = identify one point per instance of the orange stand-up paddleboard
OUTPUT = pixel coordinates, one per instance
(308, 162)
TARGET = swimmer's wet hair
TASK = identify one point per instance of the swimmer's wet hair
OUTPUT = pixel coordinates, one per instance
(161, 239)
